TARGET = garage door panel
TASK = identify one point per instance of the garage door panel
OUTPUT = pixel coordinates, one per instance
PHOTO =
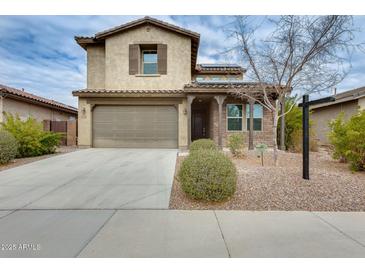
(135, 126)
(135, 143)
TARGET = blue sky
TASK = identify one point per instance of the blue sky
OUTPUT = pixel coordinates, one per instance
(39, 54)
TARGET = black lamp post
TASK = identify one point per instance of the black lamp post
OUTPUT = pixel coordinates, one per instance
(305, 108)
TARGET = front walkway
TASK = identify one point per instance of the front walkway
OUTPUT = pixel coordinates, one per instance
(170, 233)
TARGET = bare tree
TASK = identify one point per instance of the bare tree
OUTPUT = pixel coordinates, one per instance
(306, 54)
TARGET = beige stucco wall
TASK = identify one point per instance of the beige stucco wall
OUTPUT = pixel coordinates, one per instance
(361, 103)
(322, 116)
(84, 124)
(25, 110)
(108, 67)
(117, 59)
(85, 114)
(96, 66)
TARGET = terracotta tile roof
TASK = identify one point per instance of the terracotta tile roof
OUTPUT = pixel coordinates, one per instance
(219, 68)
(225, 85)
(143, 20)
(35, 98)
(127, 91)
(219, 86)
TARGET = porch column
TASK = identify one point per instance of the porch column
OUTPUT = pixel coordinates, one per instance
(190, 99)
(250, 134)
(282, 123)
(220, 99)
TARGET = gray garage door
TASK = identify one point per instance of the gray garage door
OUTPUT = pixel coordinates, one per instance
(135, 126)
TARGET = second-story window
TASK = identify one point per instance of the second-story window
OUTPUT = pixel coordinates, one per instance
(149, 62)
(147, 59)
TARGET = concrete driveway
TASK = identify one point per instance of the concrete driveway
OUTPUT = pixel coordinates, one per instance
(92, 179)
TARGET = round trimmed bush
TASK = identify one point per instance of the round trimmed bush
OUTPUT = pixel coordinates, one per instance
(8, 147)
(208, 175)
(202, 144)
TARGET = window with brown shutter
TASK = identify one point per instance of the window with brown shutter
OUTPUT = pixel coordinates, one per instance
(162, 58)
(133, 59)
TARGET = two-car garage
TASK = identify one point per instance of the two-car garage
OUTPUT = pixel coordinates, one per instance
(135, 126)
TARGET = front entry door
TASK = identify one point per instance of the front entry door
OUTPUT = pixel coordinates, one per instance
(198, 124)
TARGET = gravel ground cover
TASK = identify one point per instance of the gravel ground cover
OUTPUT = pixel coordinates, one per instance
(27, 160)
(332, 187)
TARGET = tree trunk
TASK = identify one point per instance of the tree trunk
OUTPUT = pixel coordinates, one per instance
(282, 123)
(275, 130)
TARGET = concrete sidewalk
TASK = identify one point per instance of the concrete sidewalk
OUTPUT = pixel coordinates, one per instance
(173, 233)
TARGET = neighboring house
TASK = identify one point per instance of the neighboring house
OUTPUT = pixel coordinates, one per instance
(144, 89)
(24, 104)
(349, 102)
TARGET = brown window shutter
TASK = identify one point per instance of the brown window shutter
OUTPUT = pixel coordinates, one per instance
(162, 58)
(133, 59)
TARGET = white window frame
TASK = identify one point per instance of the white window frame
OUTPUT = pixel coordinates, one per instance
(242, 118)
(262, 118)
(143, 62)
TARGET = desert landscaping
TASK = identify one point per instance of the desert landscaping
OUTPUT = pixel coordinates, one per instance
(332, 186)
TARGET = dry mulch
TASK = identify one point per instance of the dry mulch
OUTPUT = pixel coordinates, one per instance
(332, 187)
(27, 160)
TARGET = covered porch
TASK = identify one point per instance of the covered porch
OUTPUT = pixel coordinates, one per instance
(209, 117)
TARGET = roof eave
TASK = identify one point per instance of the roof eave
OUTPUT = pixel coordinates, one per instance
(104, 92)
(85, 41)
(145, 20)
(38, 102)
(338, 101)
(219, 70)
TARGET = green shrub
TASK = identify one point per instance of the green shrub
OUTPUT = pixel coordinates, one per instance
(50, 141)
(8, 147)
(293, 122)
(337, 137)
(202, 144)
(236, 144)
(296, 141)
(293, 129)
(348, 139)
(31, 138)
(208, 175)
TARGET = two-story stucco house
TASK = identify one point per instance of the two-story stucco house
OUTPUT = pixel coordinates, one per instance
(145, 89)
